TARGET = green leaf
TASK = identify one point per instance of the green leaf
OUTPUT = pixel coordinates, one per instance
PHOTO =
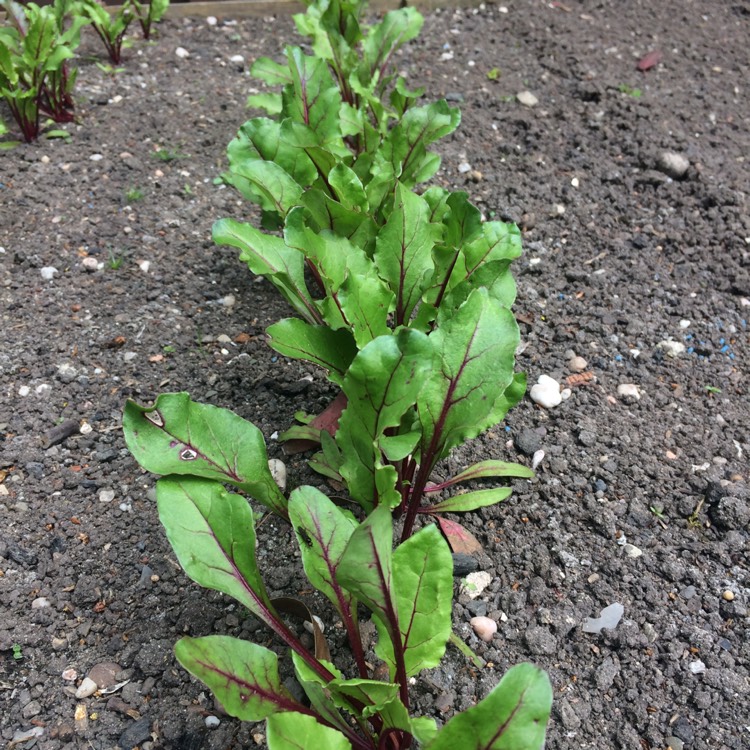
(382, 383)
(356, 297)
(313, 98)
(348, 188)
(365, 569)
(318, 693)
(269, 102)
(260, 139)
(471, 500)
(178, 436)
(476, 346)
(512, 717)
(243, 676)
(295, 731)
(213, 535)
(403, 251)
(270, 257)
(275, 188)
(490, 468)
(423, 576)
(273, 73)
(333, 350)
(384, 38)
(323, 531)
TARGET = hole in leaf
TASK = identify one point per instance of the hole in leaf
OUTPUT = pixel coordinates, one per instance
(188, 454)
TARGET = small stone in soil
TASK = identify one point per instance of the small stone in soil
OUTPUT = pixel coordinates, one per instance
(628, 392)
(137, 732)
(463, 564)
(546, 392)
(672, 164)
(577, 364)
(484, 627)
(528, 441)
(527, 99)
(476, 583)
(182, 53)
(212, 721)
(86, 688)
(106, 496)
(609, 618)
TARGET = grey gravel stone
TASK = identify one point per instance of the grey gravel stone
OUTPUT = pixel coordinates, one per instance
(528, 441)
(606, 673)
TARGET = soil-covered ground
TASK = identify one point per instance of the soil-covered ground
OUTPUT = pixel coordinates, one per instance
(632, 191)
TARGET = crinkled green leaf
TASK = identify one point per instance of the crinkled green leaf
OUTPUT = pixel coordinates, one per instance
(269, 102)
(212, 533)
(403, 251)
(260, 139)
(385, 38)
(295, 731)
(423, 585)
(382, 383)
(476, 347)
(356, 297)
(178, 436)
(512, 717)
(243, 676)
(313, 98)
(331, 349)
(348, 188)
(272, 186)
(270, 257)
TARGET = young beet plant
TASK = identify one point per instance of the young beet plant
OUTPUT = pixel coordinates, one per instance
(111, 29)
(149, 13)
(34, 79)
(407, 591)
(341, 106)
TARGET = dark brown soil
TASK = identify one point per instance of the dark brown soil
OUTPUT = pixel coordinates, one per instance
(620, 257)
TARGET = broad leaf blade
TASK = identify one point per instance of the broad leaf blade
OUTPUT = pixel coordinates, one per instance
(423, 575)
(296, 731)
(330, 349)
(243, 676)
(403, 251)
(178, 436)
(512, 717)
(382, 383)
(490, 468)
(476, 346)
(213, 535)
(270, 257)
(323, 531)
(366, 567)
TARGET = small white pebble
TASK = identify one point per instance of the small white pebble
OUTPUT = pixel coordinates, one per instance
(672, 348)
(229, 300)
(24, 391)
(212, 721)
(632, 551)
(86, 688)
(475, 583)
(48, 272)
(96, 157)
(237, 59)
(182, 53)
(628, 392)
(728, 596)
(40, 602)
(484, 627)
(697, 667)
(546, 392)
(70, 675)
(106, 496)
(144, 265)
(86, 428)
(90, 264)
(574, 182)
(577, 364)
(684, 323)
(527, 99)
(536, 459)
(211, 20)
